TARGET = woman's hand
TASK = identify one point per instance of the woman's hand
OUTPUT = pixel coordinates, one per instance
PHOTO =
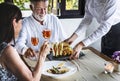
(45, 49)
(29, 53)
(77, 50)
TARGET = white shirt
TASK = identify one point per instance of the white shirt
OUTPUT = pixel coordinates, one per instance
(106, 12)
(32, 28)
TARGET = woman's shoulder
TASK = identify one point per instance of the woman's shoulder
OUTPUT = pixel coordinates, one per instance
(6, 48)
(3, 46)
(9, 48)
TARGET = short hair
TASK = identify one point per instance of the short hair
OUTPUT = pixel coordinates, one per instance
(8, 12)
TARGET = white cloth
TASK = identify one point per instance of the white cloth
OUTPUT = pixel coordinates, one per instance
(106, 12)
(32, 28)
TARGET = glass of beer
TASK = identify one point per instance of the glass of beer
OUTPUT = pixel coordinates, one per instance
(46, 33)
(34, 41)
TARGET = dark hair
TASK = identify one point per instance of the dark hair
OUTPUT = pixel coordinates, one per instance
(8, 1)
(37, 0)
(8, 12)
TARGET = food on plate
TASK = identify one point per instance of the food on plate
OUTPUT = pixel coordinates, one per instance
(59, 69)
(62, 49)
(61, 64)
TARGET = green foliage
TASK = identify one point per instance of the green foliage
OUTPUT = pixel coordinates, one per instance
(72, 5)
(21, 4)
(1, 1)
(24, 4)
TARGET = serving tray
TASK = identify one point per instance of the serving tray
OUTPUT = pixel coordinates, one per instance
(51, 57)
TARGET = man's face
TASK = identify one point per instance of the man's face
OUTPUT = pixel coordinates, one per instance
(39, 10)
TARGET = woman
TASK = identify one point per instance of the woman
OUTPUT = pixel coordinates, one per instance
(12, 68)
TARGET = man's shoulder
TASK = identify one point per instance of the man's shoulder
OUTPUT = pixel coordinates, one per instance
(52, 15)
(27, 18)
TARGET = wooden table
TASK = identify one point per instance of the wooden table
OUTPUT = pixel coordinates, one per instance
(90, 68)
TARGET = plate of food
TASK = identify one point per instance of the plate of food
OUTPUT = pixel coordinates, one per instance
(58, 69)
(61, 51)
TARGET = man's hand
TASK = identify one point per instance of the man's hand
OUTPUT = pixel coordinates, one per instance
(77, 50)
(29, 53)
(71, 39)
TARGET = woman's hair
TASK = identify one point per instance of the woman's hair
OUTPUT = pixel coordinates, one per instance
(8, 12)
(8, 1)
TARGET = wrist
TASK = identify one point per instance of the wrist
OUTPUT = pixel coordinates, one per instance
(81, 44)
(42, 56)
(74, 36)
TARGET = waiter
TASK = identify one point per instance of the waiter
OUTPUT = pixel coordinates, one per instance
(107, 14)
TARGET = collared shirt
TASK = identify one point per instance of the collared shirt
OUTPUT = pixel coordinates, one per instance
(32, 28)
(106, 12)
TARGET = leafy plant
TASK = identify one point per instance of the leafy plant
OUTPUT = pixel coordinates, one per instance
(22, 4)
(1, 1)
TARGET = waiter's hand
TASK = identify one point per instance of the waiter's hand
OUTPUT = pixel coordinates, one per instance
(77, 50)
(71, 39)
(29, 53)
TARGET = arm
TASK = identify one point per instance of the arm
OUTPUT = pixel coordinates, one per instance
(20, 69)
(105, 25)
(82, 27)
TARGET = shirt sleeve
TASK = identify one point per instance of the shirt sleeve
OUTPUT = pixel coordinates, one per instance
(85, 22)
(20, 44)
(61, 32)
(105, 25)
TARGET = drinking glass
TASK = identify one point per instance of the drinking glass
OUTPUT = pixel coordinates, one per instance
(46, 33)
(34, 41)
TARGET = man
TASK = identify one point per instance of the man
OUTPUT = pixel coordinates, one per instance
(33, 28)
(107, 14)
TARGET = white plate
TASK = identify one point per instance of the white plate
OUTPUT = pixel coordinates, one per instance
(49, 64)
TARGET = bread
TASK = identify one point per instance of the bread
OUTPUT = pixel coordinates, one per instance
(62, 49)
(55, 49)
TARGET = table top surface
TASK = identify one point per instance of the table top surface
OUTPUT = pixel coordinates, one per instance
(89, 68)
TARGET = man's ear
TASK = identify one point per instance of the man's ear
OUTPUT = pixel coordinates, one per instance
(31, 7)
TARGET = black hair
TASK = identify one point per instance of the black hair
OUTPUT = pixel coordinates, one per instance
(8, 1)
(8, 12)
